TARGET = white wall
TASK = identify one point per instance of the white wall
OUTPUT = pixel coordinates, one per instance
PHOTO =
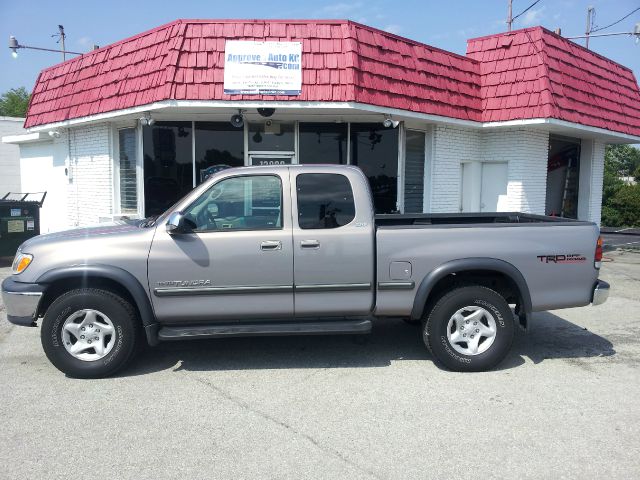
(525, 150)
(452, 146)
(36, 172)
(10, 156)
(591, 178)
(76, 171)
(90, 181)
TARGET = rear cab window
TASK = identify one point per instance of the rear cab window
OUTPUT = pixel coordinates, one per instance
(325, 200)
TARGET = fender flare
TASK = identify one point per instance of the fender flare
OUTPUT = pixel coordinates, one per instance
(118, 275)
(467, 264)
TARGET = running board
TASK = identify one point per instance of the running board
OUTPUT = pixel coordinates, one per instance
(329, 327)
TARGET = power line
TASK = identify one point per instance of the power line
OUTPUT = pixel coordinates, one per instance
(527, 9)
(616, 22)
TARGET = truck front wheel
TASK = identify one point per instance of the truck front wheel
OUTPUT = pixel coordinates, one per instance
(470, 329)
(89, 333)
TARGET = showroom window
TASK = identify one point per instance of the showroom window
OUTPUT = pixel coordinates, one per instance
(375, 150)
(219, 145)
(168, 164)
(323, 143)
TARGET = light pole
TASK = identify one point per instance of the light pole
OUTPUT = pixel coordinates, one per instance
(14, 45)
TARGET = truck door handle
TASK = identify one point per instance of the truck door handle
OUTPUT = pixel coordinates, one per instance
(271, 245)
(311, 244)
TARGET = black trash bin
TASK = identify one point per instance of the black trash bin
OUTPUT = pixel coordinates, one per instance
(19, 220)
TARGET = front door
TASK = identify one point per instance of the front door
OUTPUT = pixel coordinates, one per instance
(238, 261)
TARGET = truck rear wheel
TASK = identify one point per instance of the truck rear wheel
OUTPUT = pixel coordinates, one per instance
(470, 329)
(89, 333)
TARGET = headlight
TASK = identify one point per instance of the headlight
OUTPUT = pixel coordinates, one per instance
(21, 262)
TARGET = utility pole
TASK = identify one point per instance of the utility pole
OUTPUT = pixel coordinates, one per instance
(62, 35)
(590, 12)
(509, 15)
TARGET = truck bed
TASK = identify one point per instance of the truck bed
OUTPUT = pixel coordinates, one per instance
(467, 219)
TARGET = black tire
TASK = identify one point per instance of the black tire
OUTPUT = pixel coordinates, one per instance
(121, 314)
(435, 329)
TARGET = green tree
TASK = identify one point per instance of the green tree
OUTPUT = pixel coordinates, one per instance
(14, 103)
(620, 202)
(623, 159)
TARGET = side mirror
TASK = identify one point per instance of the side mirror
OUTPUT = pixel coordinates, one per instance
(177, 223)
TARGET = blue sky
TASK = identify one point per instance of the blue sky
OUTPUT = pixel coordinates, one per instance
(443, 24)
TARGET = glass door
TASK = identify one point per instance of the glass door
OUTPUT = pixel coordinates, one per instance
(271, 143)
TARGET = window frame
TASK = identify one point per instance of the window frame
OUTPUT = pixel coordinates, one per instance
(251, 175)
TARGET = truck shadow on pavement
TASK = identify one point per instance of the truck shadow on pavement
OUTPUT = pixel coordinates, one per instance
(551, 337)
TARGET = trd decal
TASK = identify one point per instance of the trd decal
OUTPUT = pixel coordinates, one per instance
(568, 258)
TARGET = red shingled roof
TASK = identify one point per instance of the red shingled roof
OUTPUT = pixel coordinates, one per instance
(184, 60)
(524, 74)
(534, 73)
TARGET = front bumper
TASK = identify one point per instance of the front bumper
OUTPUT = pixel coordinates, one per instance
(600, 293)
(21, 301)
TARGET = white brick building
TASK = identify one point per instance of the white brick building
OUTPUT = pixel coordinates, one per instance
(484, 136)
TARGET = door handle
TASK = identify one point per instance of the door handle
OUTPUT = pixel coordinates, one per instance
(310, 244)
(271, 245)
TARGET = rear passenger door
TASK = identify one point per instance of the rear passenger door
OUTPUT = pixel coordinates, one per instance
(332, 246)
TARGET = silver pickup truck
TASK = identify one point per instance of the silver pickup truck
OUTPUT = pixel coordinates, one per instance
(297, 250)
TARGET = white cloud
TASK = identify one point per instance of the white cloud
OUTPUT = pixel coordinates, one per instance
(467, 32)
(532, 17)
(341, 9)
(85, 42)
(392, 28)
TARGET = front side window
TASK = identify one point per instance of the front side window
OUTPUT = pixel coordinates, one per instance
(239, 203)
(325, 200)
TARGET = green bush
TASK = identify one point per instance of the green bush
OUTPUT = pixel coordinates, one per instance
(623, 208)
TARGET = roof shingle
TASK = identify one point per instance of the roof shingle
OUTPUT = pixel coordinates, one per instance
(554, 78)
(530, 73)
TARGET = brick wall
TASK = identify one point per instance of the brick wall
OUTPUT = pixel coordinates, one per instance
(525, 150)
(451, 147)
(90, 191)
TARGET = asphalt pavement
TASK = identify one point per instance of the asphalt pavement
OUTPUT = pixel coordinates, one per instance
(563, 405)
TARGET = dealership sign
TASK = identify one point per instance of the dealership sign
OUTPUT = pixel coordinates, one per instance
(264, 68)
